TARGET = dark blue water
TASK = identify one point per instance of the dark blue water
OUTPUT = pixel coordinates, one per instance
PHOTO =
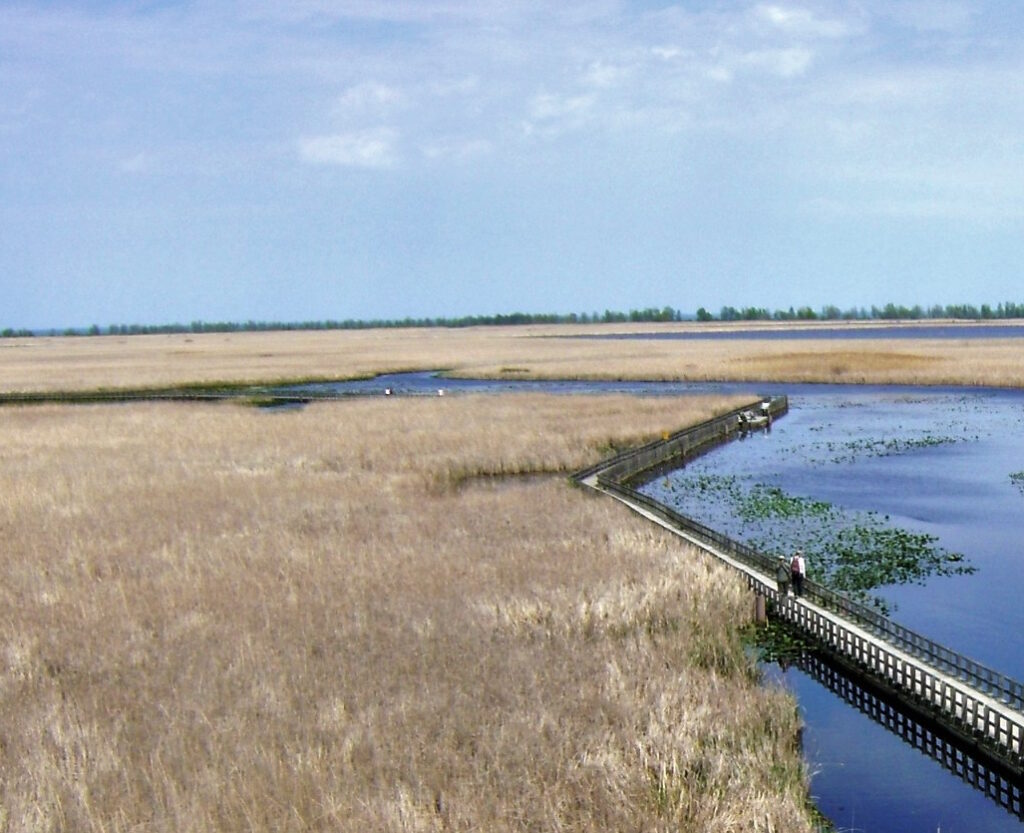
(864, 777)
(830, 447)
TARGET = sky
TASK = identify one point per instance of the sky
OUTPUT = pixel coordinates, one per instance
(299, 160)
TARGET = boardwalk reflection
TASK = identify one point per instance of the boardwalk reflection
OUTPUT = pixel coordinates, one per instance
(960, 754)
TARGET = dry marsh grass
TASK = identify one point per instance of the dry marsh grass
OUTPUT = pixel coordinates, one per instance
(221, 619)
(113, 362)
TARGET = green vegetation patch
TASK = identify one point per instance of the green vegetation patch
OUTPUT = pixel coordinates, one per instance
(850, 450)
(1017, 479)
(776, 641)
(852, 552)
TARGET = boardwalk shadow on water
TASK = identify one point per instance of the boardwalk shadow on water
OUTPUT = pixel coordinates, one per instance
(782, 649)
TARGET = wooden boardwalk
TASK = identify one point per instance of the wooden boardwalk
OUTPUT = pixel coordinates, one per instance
(981, 707)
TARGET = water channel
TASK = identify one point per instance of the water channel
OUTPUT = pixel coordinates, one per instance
(934, 462)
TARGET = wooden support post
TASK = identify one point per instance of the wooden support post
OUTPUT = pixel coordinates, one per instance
(760, 613)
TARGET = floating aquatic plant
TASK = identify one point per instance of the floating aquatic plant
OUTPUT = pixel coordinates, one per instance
(847, 451)
(776, 641)
(764, 502)
(855, 552)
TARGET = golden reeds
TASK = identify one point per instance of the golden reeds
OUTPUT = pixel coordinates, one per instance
(122, 362)
(339, 618)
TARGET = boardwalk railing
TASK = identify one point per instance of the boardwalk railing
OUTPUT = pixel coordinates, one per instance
(984, 703)
(919, 729)
(683, 445)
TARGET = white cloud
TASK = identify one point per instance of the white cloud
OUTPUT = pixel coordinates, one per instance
(667, 53)
(552, 115)
(369, 96)
(463, 86)
(801, 22)
(601, 74)
(138, 163)
(374, 148)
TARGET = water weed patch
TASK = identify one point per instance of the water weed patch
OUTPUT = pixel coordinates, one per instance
(1017, 479)
(854, 552)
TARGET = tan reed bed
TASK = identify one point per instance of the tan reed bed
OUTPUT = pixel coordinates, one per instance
(116, 362)
(221, 619)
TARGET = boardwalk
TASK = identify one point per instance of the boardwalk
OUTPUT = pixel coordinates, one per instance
(982, 708)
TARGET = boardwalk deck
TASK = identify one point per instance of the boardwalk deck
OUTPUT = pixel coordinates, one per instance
(983, 708)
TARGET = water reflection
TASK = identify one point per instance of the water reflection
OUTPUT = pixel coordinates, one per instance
(428, 383)
(955, 751)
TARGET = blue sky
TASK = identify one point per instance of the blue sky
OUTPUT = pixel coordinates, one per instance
(312, 159)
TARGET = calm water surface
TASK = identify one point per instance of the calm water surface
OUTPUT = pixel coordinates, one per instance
(830, 447)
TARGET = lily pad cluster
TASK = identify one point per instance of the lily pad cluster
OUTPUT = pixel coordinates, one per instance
(777, 641)
(1017, 478)
(855, 552)
(849, 450)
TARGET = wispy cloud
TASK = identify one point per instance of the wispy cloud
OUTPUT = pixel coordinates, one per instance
(552, 115)
(369, 97)
(138, 163)
(363, 149)
(456, 148)
(797, 21)
(785, 63)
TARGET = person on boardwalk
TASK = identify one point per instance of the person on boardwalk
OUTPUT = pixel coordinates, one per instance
(782, 575)
(798, 569)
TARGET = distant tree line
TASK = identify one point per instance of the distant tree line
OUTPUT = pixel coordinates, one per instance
(889, 312)
(514, 318)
